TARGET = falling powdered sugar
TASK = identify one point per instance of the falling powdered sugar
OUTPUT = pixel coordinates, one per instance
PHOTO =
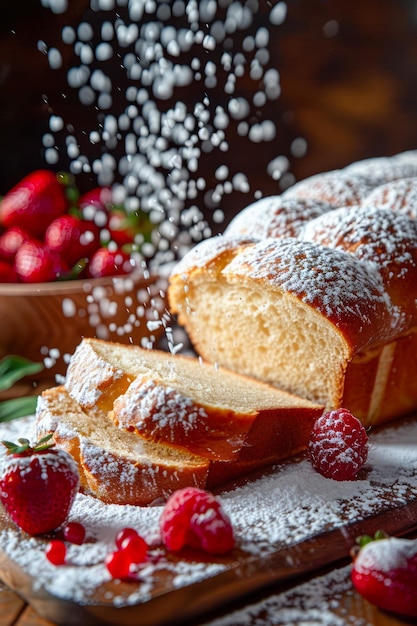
(171, 94)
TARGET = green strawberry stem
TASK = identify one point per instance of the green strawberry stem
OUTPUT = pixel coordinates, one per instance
(24, 448)
(364, 539)
(67, 180)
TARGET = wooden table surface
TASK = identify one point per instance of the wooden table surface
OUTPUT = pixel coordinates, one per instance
(349, 607)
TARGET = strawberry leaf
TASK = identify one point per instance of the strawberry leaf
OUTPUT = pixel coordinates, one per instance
(43, 444)
(17, 407)
(13, 368)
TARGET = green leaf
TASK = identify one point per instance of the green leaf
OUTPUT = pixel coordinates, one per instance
(13, 368)
(17, 407)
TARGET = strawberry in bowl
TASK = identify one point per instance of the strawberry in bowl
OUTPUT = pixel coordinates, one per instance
(49, 232)
(34, 202)
(73, 265)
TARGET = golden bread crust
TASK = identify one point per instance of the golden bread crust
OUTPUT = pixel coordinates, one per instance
(324, 294)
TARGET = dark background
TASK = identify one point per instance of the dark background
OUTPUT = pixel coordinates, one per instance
(351, 93)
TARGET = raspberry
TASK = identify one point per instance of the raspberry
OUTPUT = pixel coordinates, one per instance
(195, 518)
(338, 445)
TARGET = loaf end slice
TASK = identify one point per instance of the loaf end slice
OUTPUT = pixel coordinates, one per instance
(115, 466)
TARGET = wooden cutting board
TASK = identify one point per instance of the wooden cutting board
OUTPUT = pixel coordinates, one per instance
(190, 585)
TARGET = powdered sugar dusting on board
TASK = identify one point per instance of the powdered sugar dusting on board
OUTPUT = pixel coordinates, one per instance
(315, 603)
(291, 504)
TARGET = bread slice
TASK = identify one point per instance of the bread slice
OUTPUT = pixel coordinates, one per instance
(184, 402)
(115, 466)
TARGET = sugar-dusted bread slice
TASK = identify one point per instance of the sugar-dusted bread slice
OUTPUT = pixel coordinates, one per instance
(179, 400)
(322, 305)
(115, 466)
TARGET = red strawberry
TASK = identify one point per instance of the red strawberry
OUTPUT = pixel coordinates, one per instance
(36, 264)
(125, 227)
(107, 262)
(384, 572)
(10, 242)
(99, 197)
(7, 273)
(73, 239)
(194, 517)
(34, 202)
(95, 205)
(38, 485)
(338, 445)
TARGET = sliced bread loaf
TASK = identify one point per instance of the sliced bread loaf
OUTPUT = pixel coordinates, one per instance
(322, 301)
(182, 401)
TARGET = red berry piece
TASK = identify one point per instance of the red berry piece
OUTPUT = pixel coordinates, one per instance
(74, 532)
(71, 238)
(193, 517)
(56, 552)
(38, 485)
(124, 534)
(34, 202)
(36, 264)
(132, 551)
(338, 445)
(136, 548)
(119, 564)
(384, 572)
(106, 262)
